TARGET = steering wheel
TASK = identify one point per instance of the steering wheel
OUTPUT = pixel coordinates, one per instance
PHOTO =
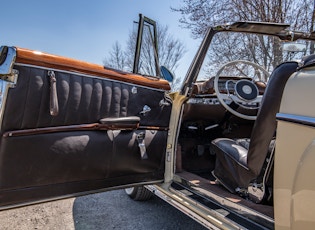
(245, 93)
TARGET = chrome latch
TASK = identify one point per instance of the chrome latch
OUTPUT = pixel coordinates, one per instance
(141, 144)
(164, 102)
(12, 78)
(145, 110)
(134, 90)
(256, 192)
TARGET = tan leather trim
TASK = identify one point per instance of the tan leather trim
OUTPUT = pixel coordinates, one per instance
(31, 57)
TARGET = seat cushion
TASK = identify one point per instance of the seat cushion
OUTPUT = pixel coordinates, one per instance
(231, 168)
(243, 142)
(236, 149)
(231, 163)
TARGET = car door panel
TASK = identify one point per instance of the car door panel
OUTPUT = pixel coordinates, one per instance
(295, 150)
(75, 154)
(81, 99)
(78, 131)
(133, 162)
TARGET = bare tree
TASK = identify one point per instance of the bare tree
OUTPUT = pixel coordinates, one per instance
(198, 15)
(116, 58)
(170, 51)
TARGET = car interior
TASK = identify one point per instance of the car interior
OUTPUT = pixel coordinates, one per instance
(229, 154)
(226, 145)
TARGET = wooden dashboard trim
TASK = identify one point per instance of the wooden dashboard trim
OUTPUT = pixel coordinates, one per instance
(36, 58)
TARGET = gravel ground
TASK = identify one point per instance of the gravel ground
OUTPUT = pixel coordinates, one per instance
(109, 210)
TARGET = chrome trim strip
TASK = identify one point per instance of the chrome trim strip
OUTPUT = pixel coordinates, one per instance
(86, 75)
(191, 211)
(297, 119)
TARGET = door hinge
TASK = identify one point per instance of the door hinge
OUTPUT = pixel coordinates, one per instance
(7, 59)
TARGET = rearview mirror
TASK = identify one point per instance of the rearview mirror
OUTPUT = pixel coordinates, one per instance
(293, 47)
(166, 74)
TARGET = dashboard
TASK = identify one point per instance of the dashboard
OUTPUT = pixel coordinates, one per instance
(207, 87)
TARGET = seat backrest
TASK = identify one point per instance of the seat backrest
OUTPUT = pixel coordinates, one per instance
(265, 124)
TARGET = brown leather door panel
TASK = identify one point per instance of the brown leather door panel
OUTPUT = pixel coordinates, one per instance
(81, 99)
(52, 158)
(86, 143)
(126, 157)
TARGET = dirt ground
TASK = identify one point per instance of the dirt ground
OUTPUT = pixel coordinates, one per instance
(109, 210)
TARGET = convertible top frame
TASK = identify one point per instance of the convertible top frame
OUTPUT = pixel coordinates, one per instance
(279, 30)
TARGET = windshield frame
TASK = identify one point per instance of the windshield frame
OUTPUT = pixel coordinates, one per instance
(279, 30)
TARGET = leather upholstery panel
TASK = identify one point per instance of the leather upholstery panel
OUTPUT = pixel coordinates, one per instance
(11, 197)
(81, 100)
(53, 158)
(233, 149)
(62, 161)
(66, 157)
(126, 158)
(264, 129)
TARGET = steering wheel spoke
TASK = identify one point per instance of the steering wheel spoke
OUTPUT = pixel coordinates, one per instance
(254, 104)
(227, 97)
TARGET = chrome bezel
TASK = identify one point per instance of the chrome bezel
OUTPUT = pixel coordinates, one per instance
(239, 95)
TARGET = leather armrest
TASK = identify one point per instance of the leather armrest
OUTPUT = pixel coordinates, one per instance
(120, 123)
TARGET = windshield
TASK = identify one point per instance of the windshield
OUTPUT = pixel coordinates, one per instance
(265, 51)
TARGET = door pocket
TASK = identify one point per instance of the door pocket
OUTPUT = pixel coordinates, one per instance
(138, 151)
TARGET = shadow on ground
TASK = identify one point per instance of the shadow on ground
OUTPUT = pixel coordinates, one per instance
(115, 210)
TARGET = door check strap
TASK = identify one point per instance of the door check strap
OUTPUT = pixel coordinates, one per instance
(54, 107)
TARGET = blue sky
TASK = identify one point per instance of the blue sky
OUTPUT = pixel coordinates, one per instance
(86, 30)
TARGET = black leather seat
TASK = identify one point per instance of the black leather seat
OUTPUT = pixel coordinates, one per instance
(240, 161)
